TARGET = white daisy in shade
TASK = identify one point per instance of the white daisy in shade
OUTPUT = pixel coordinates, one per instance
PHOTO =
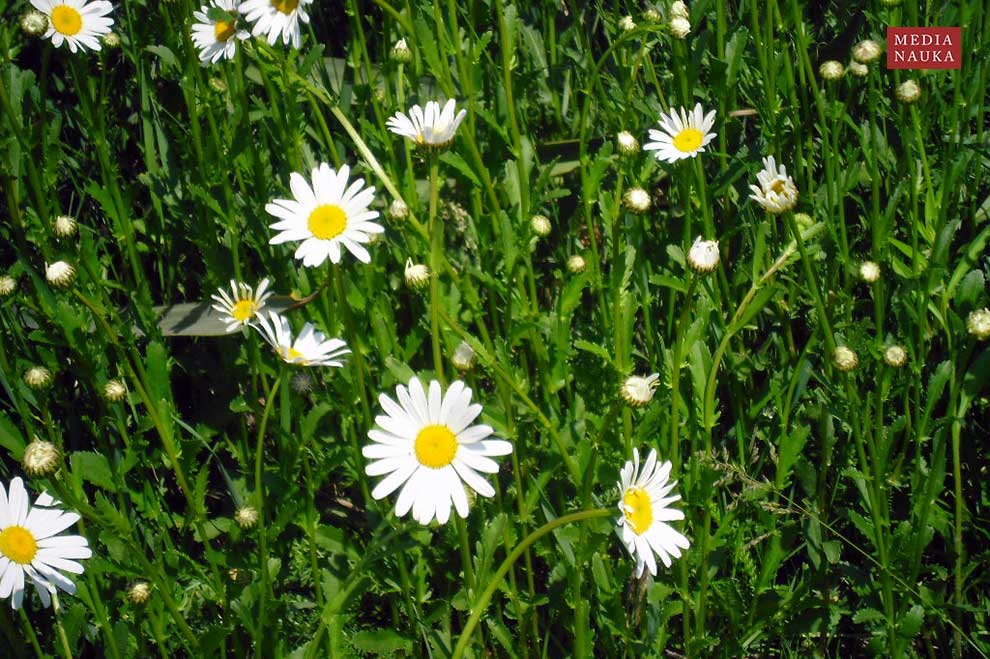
(76, 22)
(644, 505)
(426, 444)
(30, 545)
(275, 17)
(244, 306)
(432, 127)
(776, 191)
(684, 135)
(214, 38)
(310, 348)
(326, 216)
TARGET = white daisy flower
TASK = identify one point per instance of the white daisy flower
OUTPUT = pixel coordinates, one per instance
(29, 545)
(310, 348)
(684, 135)
(432, 128)
(644, 505)
(276, 17)
(326, 216)
(76, 22)
(776, 191)
(244, 306)
(217, 39)
(426, 441)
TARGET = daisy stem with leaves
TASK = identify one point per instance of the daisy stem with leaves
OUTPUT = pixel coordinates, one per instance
(436, 252)
(259, 494)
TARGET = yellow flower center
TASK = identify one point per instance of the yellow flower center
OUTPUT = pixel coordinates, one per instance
(778, 186)
(18, 544)
(327, 221)
(687, 140)
(66, 20)
(639, 510)
(285, 6)
(435, 446)
(223, 30)
(243, 310)
(294, 356)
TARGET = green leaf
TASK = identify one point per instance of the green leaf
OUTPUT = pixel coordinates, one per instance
(382, 641)
(911, 623)
(165, 55)
(94, 468)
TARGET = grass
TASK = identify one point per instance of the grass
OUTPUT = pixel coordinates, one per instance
(831, 512)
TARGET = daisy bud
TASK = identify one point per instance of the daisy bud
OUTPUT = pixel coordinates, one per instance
(978, 323)
(34, 23)
(628, 145)
(7, 285)
(652, 15)
(637, 200)
(679, 10)
(908, 92)
(60, 274)
(41, 458)
(680, 27)
(576, 264)
(401, 52)
(219, 85)
(859, 70)
(246, 517)
(866, 51)
(114, 391)
(831, 70)
(803, 220)
(845, 359)
(637, 391)
(111, 40)
(302, 382)
(895, 356)
(139, 593)
(463, 358)
(540, 225)
(64, 226)
(869, 271)
(398, 210)
(703, 255)
(627, 24)
(37, 377)
(417, 274)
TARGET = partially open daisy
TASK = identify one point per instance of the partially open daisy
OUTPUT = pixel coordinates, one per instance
(244, 306)
(217, 38)
(275, 17)
(426, 442)
(776, 191)
(310, 348)
(684, 134)
(644, 505)
(326, 216)
(432, 127)
(76, 22)
(29, 545)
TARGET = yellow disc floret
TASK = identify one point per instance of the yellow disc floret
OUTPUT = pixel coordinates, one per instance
(243, 310)
(639, 509)
(687, 140)
(327, 221)
(223, 30)
(66, 20)
(435, 446)
(18, 544)
(285, 6)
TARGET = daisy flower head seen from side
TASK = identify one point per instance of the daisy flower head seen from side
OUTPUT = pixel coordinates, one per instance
(78, 23)
(330, 214)
(433, 128)
(30, 545)
(645, 509)
(310, 348)
(277, 17)
(244, 306)
(216, 38)
(683, 134)
(776, 191)
(427, 444)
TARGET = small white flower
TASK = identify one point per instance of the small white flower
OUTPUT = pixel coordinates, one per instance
(869, 271)
(60, 274)
(310, 348)
(76, 22)
(845, 359)
(776, 191)
(831, 70)
(139, 593)
(431, 127)
(217, 39)
(866, 51)
(908, 92)
(703, 256)
(275, 17)
(417, 274)
(245, 305)
(978, 324)
(683, 135)
(637, 200)
(895, 356)
(637, 391)
(680, 27)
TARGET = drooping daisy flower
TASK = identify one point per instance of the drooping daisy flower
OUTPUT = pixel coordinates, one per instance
(426, 442)
(29, 545)
(684, 135)
(274, 17)
(433, 127)
(776, 191)
(76, 22)
(310, 348)
(217, 39)
(244, 306)
(644, 505)
(326, 216)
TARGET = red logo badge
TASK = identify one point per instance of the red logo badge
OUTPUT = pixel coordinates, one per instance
(924, 47)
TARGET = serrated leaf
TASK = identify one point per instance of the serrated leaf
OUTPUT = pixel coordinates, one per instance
(93, 468)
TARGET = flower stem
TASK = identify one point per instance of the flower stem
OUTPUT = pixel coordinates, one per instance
(436, 252)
